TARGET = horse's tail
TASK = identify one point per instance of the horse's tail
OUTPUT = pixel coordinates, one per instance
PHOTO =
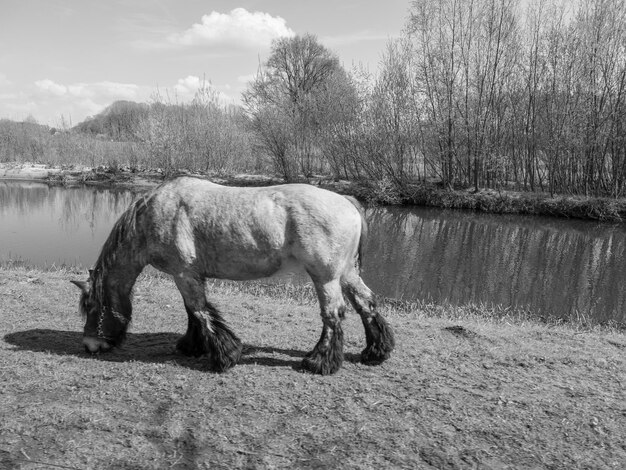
(364, 229)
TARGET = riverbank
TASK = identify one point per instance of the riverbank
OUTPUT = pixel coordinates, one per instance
(516, 202)
(421, 193)
(461, 390)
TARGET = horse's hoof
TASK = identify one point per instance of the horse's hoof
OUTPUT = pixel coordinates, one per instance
(317, 363)
(186, 348)
(373, 356)
(226, 355)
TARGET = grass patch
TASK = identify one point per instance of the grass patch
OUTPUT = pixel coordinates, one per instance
(462, 390)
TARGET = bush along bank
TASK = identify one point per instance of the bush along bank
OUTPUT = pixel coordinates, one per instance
(497, 202)
(380, 192)
(420, 194)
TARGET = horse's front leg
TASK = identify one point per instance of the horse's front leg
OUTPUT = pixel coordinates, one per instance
(192, 342)
(327, 355)
(207, 332)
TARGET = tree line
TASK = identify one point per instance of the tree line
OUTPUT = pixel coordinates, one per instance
(473, 93)
(533, 97)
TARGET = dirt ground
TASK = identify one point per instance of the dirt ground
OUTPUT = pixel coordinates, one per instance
(458, 392)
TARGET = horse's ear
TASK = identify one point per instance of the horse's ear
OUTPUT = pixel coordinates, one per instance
(82, 285)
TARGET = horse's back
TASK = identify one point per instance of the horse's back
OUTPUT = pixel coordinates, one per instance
(251, 232)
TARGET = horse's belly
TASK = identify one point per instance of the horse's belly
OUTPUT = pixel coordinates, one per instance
(289, 268)
(241, 268)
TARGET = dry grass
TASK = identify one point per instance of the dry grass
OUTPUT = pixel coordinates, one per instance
(605, 209)
(461, 391)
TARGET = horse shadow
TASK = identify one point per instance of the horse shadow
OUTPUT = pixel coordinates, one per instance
(152, 348)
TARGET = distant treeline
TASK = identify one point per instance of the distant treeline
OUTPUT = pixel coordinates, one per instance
(477, 93)
(203, 135)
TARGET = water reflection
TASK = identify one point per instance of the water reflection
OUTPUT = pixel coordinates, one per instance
(555, 267)
(46, 225)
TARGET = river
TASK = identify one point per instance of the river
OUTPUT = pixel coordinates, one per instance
(552, 267)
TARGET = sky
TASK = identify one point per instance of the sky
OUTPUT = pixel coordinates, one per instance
(64, 60)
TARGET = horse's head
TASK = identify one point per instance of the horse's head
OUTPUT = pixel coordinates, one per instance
(104, 326)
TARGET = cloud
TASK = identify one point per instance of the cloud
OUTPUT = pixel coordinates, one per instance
(102, 90)
(238, 28)
(87, 107)
(127, 91)
(47, 100)
(77, 100)
(186, 88)
(188, 85)
(48, 86)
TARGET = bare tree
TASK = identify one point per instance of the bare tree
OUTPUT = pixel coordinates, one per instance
(204, 135)
(293, 99)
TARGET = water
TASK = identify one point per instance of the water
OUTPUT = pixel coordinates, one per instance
(53, 225)
(554, 267)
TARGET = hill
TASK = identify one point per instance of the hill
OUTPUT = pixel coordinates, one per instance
(119, 121)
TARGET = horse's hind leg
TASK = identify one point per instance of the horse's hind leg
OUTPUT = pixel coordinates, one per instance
(379, 337)
(327, 355)
(207, 333)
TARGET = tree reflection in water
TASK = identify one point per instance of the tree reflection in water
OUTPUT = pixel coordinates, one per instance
(54, 225)
(555, 267)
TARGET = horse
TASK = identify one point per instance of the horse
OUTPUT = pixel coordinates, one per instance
(193, 230)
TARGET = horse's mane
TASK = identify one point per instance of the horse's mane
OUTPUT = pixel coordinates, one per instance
(124, 232)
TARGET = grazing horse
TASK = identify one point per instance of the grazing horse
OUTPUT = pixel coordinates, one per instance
(193, 229)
